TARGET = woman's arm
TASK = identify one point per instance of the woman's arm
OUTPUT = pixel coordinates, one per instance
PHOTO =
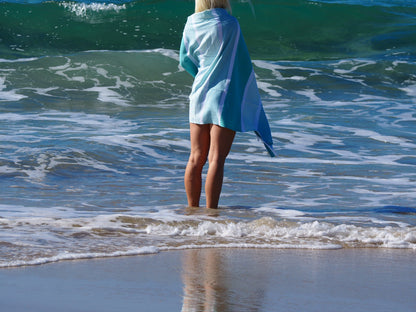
(186, 60)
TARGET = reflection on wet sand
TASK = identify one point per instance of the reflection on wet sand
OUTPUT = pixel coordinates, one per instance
(210, 285)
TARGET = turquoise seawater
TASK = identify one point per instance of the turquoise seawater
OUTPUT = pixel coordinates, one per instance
(94, 130)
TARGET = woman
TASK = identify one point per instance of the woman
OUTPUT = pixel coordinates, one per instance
(224, 97)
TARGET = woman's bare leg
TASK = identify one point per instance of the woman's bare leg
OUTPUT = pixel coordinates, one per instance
(200, 140)
(220, 145)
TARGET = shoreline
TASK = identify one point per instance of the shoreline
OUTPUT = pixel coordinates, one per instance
(219, 280)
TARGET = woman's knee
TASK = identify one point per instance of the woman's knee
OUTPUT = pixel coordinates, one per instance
(217, 160)
(197, 160)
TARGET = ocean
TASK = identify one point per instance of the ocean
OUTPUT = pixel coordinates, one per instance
(94, 134)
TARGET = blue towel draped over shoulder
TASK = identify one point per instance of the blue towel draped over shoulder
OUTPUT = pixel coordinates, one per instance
(224, 91)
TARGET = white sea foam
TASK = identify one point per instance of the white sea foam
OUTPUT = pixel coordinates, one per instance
(8, 95)
(82, 9)
(173, 54)
(100, 122)
(275, 69)
(47, 236)
(284, 213)
(154, 250)
(165, 52)
(323, 246)
(105, 94)
(268, 88)
(368, 98)
(301, 140)
(310, 94)
(19, 60)
(74, 71)
(383, 138)
(410, 90)
(295, 233)
(34, 163)
(351, 65)
(80, 256)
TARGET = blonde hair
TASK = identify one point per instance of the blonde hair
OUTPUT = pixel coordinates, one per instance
(202, 5)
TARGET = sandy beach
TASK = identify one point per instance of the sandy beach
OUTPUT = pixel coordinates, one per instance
(219, 280)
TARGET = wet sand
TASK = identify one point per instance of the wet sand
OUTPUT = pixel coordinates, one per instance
(219, 280)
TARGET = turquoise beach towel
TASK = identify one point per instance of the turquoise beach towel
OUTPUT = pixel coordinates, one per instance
(224, 91)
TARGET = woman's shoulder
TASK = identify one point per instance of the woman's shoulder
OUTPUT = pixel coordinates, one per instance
(208, 20)
(212, 14)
